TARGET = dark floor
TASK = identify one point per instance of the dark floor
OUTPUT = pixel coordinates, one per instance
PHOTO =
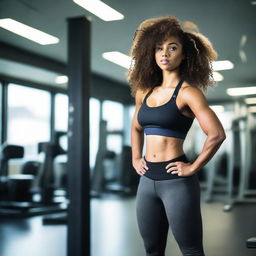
(114, 232)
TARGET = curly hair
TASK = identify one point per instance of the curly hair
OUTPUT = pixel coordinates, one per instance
(196, 68)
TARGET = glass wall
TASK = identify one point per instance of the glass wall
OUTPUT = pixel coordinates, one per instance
(29, 113)
(113, 114)
(61, 122)
(28, 118)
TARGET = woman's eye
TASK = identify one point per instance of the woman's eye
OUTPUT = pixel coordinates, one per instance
(173, 48)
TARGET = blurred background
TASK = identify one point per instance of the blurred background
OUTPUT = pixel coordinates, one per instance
(34, 107)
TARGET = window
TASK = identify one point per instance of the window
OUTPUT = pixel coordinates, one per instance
(28, 118)
(61, 117)
(113, 114)
(129, 117)
(61, 112)
(94, 129)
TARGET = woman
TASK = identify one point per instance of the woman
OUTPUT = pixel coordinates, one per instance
(172, 66)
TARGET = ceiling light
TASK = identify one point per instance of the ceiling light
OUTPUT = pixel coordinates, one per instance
(253, 2)
(217, 108)
(243, 40)
(61, 80)
(252, 109)
(250, 100)
(240, 91)
(243, 56)
(28, 32)
(118, 58)
(222, 65)
(100, 9)
(217, 76)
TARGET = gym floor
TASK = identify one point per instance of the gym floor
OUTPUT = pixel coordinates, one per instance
(114, 231)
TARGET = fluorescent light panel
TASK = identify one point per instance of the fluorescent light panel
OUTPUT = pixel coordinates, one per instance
(217, 76)
(240, 91)
(118, 58)
(252, 109)
(250, 100)
(100, 9)
(61, 80)
(222, 65)
(28, 32)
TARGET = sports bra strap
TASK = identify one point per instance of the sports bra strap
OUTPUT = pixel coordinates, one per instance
(147, 95)
(176, 91)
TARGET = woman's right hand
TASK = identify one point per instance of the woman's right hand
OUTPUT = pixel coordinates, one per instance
(140, 166)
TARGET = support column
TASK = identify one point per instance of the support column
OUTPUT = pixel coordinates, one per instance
(78, 145)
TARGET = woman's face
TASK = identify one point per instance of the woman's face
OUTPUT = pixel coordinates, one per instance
(169, 55)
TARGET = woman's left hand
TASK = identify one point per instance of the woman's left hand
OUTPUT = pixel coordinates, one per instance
(180, 168)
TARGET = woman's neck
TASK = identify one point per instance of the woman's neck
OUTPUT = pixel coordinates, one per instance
(170, 79)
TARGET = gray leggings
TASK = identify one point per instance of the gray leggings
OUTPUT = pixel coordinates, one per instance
(173, 202)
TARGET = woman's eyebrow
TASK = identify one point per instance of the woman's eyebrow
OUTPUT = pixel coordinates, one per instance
(168, 44)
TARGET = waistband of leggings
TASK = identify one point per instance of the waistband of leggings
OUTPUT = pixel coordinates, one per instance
(157, 171)
(182, 158)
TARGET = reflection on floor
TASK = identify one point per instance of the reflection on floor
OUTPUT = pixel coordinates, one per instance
(115, 233)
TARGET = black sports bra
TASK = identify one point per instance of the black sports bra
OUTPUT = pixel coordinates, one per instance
(166, 119)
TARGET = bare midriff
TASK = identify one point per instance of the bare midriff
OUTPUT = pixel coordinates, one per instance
(161, 148)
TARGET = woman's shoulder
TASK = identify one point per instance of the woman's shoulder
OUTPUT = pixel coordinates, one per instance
(191, 92)
(188, 89)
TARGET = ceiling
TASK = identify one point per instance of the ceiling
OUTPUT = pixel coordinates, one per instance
(223, 22)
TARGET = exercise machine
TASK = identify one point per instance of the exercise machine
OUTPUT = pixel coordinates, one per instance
(31, 192)
(125, 181)
(243, 134)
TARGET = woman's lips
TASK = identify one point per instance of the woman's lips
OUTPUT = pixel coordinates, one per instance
(164, 61)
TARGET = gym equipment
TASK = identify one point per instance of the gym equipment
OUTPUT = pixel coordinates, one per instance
(46, 177)
(125, 180)
(129, 177)
(251, 243)
(34, 193)
(241, 138)
(237, 163)
(8, 152)
(97, 175)
(214, 183)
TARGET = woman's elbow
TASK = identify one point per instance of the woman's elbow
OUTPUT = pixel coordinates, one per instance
(136, 128)
(216, 137)
(220, 137)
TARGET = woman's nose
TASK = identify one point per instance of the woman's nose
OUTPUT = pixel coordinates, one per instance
(164, 53)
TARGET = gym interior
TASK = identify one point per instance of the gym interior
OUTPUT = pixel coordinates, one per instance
(67, 185)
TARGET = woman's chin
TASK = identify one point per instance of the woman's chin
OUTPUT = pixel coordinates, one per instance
(170, 69)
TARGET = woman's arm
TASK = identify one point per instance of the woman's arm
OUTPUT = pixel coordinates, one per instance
(137, 139)
(210, 125)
